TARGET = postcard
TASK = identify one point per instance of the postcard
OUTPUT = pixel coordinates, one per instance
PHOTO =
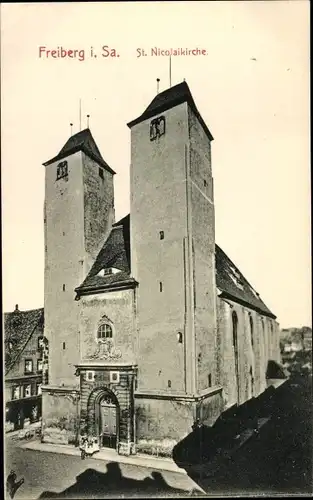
(156, 257)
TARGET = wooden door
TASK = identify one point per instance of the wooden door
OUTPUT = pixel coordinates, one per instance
(107, 423)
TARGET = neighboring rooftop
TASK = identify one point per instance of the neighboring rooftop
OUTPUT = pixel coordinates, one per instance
(115, 254)
(19, 327)
(82, 141)
(169, 99)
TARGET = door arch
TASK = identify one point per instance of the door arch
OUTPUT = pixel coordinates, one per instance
(236, 354)
(103, 417)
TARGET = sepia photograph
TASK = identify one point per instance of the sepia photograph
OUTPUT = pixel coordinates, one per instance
(156, 251)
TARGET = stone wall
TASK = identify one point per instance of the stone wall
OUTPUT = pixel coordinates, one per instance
(162, 423)
(64, 267)
(202, 232)
(78, 214)
(210, 407)
(99, 213)
(257, 344)
(118, 308)
(60, 409)
(158, 191)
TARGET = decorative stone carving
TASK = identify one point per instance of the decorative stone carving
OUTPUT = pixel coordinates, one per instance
(72, 397)
(104, 350)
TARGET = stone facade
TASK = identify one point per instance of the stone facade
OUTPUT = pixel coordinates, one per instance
(118, 309)
(78, 210)
(99, 212)
(163, 420)
(258, 343)
(122, 393)
(25, 364)
(143, 343)
(60, 415)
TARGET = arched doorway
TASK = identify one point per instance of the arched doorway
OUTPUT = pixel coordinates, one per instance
(235, 346)
(103, 417)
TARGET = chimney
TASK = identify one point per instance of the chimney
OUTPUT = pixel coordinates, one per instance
(16, 307)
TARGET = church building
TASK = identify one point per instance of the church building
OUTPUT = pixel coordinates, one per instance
(151, 327)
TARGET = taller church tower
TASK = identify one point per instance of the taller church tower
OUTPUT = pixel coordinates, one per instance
(173, 253)
(78, 215)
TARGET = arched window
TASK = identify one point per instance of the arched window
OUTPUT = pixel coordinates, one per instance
(251, 329)
(235, 345)
(235, 327)
(104, 331)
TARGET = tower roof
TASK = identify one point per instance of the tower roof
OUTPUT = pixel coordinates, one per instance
(169, 99)
(82, 141)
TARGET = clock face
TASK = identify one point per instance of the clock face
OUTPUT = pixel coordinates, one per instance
(62, 170)
(157, 128)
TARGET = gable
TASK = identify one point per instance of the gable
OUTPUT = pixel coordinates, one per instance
(19, 327)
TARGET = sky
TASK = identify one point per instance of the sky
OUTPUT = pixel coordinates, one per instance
(251, 88)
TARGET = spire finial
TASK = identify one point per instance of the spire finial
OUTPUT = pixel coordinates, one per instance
(158, 84)
(88, 116)
(71, 125)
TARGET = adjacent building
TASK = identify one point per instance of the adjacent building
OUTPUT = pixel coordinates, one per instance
(151, 326)
(26, 366)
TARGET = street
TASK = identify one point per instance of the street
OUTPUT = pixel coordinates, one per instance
(46, 473)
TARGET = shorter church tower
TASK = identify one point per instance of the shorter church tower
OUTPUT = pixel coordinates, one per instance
(78, 216)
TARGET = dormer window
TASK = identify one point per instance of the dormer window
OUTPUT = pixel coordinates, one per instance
(62, 170)
(157, 128)
(235, 277)
(108, 270)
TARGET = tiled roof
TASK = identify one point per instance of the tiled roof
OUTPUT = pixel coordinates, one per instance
(115, 253)
(19, 327)
(82, 141)
(234, 285)
(169, 99)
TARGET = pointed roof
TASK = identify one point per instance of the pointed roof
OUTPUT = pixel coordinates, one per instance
(19, 327)
(82, 141)
(169, 99)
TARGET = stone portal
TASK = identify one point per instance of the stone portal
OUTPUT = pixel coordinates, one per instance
(107, 405)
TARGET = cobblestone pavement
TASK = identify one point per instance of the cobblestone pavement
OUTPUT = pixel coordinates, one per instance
(47, 474)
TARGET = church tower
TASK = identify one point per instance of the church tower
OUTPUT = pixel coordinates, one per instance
(78, 215)
(173, 250)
